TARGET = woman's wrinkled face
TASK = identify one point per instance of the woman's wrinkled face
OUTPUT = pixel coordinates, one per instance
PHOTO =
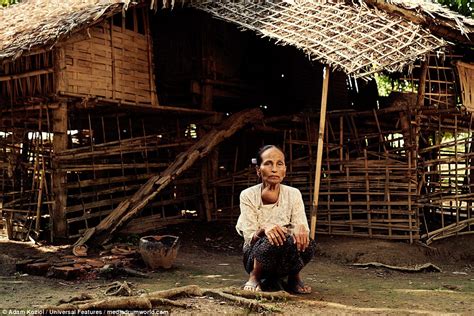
(272, 170)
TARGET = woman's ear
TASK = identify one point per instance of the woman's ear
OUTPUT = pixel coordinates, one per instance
(257, 169)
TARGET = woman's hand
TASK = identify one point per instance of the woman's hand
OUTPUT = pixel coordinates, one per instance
(276, 235)
(301, 237)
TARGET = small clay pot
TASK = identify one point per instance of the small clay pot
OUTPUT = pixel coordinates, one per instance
(159, 251)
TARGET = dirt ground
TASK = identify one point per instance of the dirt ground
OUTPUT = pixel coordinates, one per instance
(210, 256)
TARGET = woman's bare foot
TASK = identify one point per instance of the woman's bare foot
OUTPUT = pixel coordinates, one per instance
(297, 286)
(252, 285)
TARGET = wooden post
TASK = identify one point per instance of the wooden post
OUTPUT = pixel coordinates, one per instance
(207, 96)
(422, 84)
(420, 102)
(60, 142)
(151, 73)
(213, 174)
(319, 154)
(112, 58)
(204, 189)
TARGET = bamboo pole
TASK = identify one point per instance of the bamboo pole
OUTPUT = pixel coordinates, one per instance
(349, 196)
(328, 173)
(456, 190)
(319, 153)
(367, 188)
(27, 74)
(422, 84)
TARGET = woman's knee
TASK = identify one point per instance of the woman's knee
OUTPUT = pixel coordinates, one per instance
(266, 248)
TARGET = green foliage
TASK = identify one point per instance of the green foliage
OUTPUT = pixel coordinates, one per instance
(5, 3)
(465, 7)
(386, 84)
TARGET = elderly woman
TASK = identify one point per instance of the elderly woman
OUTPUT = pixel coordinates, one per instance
(274, 226)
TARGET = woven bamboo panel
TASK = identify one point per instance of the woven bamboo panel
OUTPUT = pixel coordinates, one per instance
(125, 151)
(466, 78)
(368, 185)
(447, 198)
(25, 171)
(113, 64)
(27, 76)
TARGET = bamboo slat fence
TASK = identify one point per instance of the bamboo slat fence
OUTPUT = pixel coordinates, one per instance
(447, 194)
(371, 184)
(112, 155)
(368, 183)
(25, 174)
(108, 157)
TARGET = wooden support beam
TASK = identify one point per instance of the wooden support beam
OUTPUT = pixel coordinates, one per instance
(422, 83)
(420, 102)
(27, 74)
(204, 189)
(207, 97)
(130, 207)
(60, 142)
(134, 106)
(153, 94)
(319, 153)
(436, 23)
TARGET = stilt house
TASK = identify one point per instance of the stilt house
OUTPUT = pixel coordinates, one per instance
(97, 97)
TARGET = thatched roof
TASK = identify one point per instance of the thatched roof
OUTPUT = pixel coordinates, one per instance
(435, 10)
(430, 14)
(354, 38)
(41, 23)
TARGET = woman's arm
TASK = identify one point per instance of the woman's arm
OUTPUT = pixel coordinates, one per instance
(247, 224)
(257, 235)
(299, 221)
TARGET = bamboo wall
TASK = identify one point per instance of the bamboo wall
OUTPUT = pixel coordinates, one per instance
(112, 60)
(442, 86)
(25, 172)
(370, 187)
(26, 77)
(388, 173)
(369, 181)
(208, 63)
(111, 155)
(447, 195)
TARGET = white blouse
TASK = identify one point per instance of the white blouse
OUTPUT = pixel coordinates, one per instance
(288, 210)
